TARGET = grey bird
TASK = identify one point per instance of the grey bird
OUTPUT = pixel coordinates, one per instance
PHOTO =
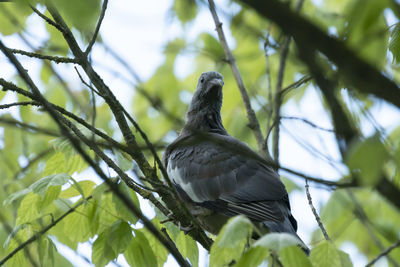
(219, 176)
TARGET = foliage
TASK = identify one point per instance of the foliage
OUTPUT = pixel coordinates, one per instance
(46, 182)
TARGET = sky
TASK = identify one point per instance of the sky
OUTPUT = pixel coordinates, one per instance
(138, 30)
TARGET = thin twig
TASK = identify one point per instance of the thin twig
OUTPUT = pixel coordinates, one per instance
(383, 253)
(29, 127)
(96, 31)
(24, 103)
(278, 89)
(296, 84)
(269, 90)
(309, 123)
(47, 19)
(45, 57)
(94, 112)
(251, 115)
(314, 211)
(318, 153)
(32, 161)
(85, 83)
(278, 100)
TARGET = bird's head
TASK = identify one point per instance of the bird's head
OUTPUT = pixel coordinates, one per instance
(208, 95)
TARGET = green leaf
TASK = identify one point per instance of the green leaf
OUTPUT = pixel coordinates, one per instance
(277, 241)
(162, 252)
(75, 163)
(13, 17)
(345, 259)
(394, 44)
(111, 242)
(368, 157)
(55, 164)
(51, 194)
(11, 198)
(367, 30)
(253, 257)
(122, 162)
(107, 212)
(122, 210)
(188, 248)
(293, 256)
(77, 226)
(325, 254)
(28, 210)
(231, 240)
(40, 187)
(81, 14)
(212, 46)
(139, 252)
(46, 249)
(120, 236)
(102, 252)
(185, 10)
(83, 188)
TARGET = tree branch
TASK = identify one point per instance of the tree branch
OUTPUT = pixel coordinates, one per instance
(29, 127)
(314, 211)
(45, 57)
(383, 253)
(47, 19)
(308, 122)
(24, 103)
(96, 31)
(356, 72)
(277, 98)
(296, 84)
(251, 116)
(278, 89)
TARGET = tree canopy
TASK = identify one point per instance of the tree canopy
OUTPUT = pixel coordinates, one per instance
(311, 85)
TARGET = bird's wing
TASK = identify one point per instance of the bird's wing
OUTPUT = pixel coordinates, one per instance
(224, 174)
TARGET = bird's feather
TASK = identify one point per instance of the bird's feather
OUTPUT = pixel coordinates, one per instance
(211, 167)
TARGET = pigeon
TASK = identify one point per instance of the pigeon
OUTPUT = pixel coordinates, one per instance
(219, 176)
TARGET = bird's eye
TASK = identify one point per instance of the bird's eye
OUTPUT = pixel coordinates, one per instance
(202, 80)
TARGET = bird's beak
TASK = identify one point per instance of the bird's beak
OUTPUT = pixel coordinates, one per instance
(216, 83)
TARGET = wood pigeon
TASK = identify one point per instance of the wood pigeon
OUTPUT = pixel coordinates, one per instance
(220, 176)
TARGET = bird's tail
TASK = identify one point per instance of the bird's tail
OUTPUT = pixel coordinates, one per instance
(286, 227)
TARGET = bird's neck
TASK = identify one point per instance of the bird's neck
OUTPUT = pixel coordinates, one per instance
(205, 121)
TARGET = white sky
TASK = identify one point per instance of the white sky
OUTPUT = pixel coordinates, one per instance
(138, 30)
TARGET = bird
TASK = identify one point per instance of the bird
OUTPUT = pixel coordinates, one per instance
(218, 176)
